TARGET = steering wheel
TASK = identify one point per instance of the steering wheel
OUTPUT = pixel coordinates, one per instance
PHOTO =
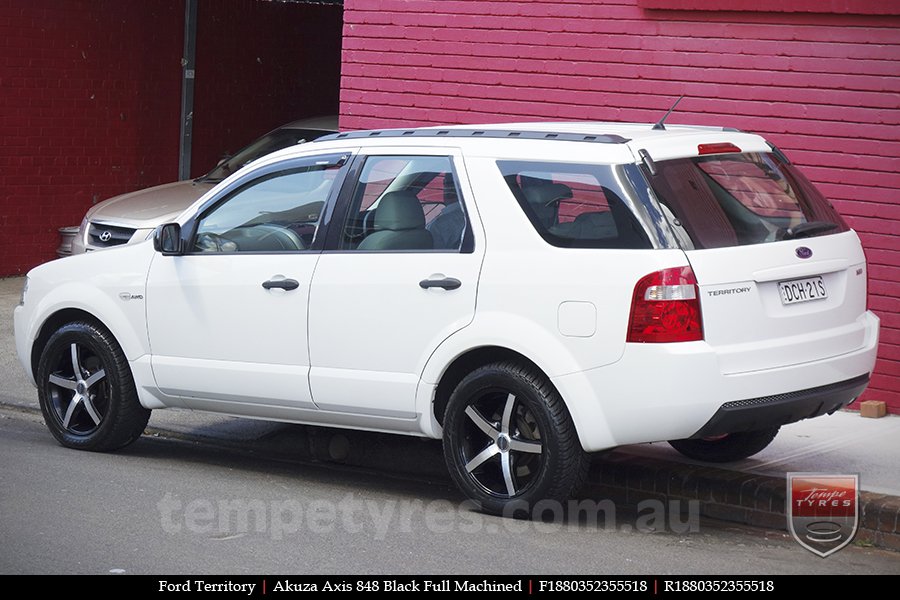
(213, 242)
(282, 236)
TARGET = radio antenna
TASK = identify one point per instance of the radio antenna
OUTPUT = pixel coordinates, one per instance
(660, 125)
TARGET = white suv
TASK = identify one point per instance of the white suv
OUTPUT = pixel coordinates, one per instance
(529, 293)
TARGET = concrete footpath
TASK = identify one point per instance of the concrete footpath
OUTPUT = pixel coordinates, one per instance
(749, 492)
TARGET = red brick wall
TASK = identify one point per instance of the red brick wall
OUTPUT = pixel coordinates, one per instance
(90, 99)
(89, 105)
(260, 65)
(825, 87)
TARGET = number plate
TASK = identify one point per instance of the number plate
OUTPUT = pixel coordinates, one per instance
(802, 290)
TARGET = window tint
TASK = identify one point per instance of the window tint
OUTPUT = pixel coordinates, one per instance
(405, 203)
(740, 199)
(574, 205)
(276, 213)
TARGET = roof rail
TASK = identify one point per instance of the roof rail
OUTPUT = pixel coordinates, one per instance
(473, 133)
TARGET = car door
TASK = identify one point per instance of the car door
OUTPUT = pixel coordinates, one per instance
(227, 318)
(398, 276)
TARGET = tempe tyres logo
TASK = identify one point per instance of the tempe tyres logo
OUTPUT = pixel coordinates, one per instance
(822, 510)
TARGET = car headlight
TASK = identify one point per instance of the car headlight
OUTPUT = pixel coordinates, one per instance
(24, 290)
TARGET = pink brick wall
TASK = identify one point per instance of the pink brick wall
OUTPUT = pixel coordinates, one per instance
(825, 87)
(89, 105)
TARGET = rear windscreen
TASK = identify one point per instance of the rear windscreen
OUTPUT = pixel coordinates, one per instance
(740, 199)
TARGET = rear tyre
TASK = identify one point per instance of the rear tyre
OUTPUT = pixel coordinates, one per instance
(509, 441)
(86, 390)
(727, 448)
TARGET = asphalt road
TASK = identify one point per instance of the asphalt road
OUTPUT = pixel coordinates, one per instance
(168, 505)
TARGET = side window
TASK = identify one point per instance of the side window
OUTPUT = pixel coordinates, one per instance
(278, 212)
(574, 205)
(405, 203)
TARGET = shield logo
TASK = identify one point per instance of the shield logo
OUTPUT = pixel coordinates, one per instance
(822, 510)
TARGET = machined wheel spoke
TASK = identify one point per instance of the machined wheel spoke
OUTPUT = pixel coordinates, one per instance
(482, 456)
(69, 384)
(505, 464)
(507, 413)
(89, 407)
(70, 411)
(517, 445)
(76, 366)
(90, 381)
(483, 424)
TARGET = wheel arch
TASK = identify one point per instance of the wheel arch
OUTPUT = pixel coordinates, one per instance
(52, 323)
(467, 362)
(475, 346)
(73, 301)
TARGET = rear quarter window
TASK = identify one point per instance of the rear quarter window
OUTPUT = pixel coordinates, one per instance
(740, 199)
(574, 205)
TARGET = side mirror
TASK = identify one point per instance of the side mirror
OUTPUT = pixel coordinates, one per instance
(167, 239)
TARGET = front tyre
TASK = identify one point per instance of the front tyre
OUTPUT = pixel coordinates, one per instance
(509, 440)
(727, 448)
(86, 390)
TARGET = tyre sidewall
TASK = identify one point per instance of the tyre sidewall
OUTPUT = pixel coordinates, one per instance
(731, 448)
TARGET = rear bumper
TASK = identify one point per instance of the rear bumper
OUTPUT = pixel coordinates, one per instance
(659, 392)
(781, 409)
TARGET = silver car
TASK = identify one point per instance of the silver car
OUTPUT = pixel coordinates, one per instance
(132, 217)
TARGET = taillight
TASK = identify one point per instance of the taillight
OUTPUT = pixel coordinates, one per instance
(666, 308)
(720, 148)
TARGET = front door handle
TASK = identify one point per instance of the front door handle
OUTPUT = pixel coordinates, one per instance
(448, 283)
(284, 284)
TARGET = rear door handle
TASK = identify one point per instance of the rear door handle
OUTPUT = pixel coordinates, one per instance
(284, 284)
(448, 283)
